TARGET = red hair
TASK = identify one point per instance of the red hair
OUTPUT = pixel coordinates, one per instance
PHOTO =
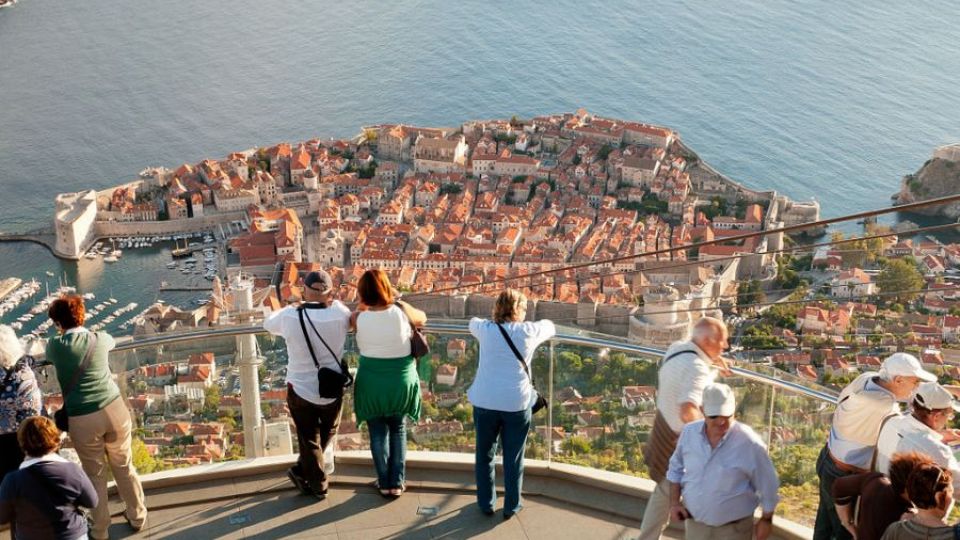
(67, 311)
(374, 288)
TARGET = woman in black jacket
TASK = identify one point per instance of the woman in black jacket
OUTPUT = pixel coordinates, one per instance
(43, 497)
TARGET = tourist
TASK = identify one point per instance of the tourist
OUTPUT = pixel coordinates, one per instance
(19, 397)
(315, 332)
(686, 368)
(99, 422)
(387, 388)
(503, 396)
(921, 431)
(43, 498)
(880, 498)
(930, 489)
(719, 473)
(850, 447)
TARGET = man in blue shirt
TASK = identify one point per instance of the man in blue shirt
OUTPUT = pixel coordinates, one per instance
(722, 470)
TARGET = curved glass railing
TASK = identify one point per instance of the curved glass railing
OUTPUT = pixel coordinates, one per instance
(186, 392)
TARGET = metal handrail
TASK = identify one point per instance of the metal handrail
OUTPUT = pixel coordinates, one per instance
(564, 337)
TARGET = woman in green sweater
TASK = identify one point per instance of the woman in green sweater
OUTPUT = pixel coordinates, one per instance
(100, 424)
(387, 389)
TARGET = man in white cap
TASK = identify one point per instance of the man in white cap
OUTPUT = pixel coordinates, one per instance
(315, 332)
(861, 408)
(922, 430)
(719, 473)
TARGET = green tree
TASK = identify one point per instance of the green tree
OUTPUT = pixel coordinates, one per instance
(211, 402)
(897, 279)
(142, 460)
(577, 445)
(750, 292)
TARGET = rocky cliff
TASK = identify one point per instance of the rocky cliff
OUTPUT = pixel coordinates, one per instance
(939, 177)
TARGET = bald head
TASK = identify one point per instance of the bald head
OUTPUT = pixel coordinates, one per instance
(710, 334)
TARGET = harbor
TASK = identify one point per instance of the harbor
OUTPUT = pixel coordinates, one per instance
(120, 279)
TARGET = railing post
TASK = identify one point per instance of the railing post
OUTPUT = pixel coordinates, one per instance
(550, 405)
(773, 400)
(248, 362)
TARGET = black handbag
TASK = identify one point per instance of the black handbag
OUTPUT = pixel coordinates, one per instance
(60, 417)
(541, 402)
(330, 383)
(418, 342)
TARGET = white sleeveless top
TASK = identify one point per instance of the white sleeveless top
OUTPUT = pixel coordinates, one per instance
(384, 334)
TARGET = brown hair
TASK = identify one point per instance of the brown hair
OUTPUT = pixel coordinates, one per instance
(509, 305)
(67, 311)
(38, 436)
(374, 288)
(902, 465)
(925, 482)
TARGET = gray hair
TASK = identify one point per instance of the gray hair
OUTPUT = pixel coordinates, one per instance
(708, 328)
(10, 348)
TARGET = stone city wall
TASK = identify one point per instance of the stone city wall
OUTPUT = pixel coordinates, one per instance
(103, 229)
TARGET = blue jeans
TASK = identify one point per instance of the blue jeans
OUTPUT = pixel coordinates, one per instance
(388, 445)
(512, 429)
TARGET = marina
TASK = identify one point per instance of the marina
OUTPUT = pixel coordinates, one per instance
(116, 276)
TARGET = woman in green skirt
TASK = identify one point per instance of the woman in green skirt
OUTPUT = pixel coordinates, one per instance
(387, 389)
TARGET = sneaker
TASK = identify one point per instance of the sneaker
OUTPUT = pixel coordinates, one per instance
(488, 511)
(298, 481)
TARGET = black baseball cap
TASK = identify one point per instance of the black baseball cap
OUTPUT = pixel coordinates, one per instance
(318, 280)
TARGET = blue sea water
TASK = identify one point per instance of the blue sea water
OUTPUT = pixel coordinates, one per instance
(833, 100)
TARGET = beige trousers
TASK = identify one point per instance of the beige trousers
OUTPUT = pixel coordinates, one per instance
(100, 439)
(656, 516)
(738, 530)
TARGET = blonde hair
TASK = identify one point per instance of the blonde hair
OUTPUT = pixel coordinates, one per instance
(10, 348)
(510, 303)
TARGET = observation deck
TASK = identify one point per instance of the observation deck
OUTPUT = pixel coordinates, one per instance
(208, 472)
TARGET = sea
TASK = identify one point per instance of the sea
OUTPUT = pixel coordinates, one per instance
(833, 101)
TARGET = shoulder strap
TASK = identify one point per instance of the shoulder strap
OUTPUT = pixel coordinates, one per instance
(306, 337)
(515, 351)
(405, 316)
(91, 348)
(676, 354)
(876, 447)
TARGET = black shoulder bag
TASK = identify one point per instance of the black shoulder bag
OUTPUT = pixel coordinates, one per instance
(60, 417)
(541, 401)
(330, 383)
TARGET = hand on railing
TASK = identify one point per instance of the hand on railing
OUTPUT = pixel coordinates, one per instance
(950, 436)
(723, 365)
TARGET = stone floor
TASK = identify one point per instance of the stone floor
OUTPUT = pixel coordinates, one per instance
(268, 507)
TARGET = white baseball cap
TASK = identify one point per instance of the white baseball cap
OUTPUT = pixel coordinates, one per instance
(933, 396)
(905, 365)
(718, 400)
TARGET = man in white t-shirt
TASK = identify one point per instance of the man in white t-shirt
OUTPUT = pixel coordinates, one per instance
(861, 407)
(923, 430)
(686, 369)
(326, 322)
